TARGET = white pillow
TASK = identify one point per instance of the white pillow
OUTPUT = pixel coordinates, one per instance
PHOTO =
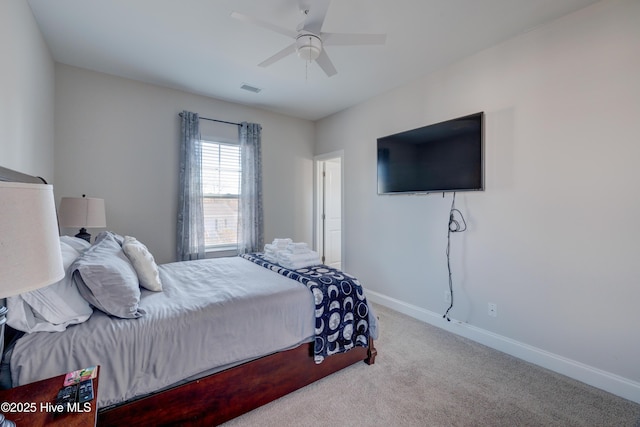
(52, 308)
(76, 243)
(143, 262)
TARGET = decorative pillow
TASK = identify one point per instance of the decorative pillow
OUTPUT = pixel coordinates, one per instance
(53, 308)
(143, 262)
(106, 278)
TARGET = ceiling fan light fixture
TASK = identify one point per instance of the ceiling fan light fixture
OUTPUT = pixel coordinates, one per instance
(308, 46)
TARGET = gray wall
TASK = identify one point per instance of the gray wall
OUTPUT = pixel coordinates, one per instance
(553, 241)
(117, 139)
(26, 93)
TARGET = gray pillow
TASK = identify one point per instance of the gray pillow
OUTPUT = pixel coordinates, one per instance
(106, 279)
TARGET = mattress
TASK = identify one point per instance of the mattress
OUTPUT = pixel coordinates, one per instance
(211, 314)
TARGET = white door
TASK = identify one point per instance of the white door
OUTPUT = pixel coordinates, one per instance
(333, 213)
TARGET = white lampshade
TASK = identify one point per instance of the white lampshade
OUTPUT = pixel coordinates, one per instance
(86, 212)
(30, 255)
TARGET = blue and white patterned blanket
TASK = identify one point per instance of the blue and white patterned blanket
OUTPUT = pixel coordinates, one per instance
(342, 312)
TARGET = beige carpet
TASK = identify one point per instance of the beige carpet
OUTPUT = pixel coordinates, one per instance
(424, 376)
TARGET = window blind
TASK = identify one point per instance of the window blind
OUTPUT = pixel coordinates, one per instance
(221, 172)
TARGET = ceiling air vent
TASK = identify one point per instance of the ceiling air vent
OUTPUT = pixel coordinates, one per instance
(250, 88)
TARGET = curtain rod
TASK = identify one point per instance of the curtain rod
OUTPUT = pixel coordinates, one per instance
(215, 120)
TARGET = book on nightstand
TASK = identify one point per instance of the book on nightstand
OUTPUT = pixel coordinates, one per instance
(80, 375)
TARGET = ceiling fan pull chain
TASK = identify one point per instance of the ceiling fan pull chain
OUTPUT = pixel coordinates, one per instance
(306, 66)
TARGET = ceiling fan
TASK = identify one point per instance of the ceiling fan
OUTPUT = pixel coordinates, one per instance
(309, 40)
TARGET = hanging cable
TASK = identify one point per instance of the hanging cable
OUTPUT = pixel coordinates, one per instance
(455, 226)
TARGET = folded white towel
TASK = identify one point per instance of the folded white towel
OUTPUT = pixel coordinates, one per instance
(296, 262)
(288, 254)
(297, 245)
(272, 250)
(286, 257)
(281, 243)
(298, 248)
(271, 258)
(271, 247)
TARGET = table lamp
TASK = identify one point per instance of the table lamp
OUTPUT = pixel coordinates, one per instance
(30, 256)
(83, 212)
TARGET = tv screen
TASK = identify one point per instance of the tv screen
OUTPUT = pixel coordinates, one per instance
(441, 157)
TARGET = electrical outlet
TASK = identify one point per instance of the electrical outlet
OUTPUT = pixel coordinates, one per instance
(447, 296)
(493, 310)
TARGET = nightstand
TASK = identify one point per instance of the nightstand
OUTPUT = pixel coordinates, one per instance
(33, 405)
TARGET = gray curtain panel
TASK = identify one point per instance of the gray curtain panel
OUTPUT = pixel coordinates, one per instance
(190, 243)
(250, 218)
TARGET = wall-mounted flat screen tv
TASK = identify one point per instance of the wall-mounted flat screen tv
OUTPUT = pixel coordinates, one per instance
(441, 157)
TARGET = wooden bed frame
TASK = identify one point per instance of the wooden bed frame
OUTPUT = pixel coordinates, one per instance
(223, 396)
(220, 397)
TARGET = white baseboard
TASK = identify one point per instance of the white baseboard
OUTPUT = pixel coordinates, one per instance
(607, 381)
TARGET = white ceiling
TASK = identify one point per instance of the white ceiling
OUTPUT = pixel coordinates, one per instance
(196, 46)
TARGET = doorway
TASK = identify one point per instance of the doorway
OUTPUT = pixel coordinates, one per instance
(328, 201)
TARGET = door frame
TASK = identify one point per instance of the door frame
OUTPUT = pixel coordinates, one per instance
(318, 201)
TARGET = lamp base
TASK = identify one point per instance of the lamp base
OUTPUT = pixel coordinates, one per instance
(84, 235)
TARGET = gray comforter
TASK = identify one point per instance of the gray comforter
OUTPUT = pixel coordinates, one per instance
(212, 314)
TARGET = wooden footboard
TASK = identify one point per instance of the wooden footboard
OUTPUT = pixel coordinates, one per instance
(220, 397)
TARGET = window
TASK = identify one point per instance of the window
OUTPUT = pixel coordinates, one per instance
(221, 173)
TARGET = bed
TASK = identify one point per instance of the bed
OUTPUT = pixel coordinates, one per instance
(202, 350)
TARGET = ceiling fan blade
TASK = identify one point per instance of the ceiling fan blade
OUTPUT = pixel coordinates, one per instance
(264, 24)
(345, 39)
(315, 16)
(325, 63)
(278, 56)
